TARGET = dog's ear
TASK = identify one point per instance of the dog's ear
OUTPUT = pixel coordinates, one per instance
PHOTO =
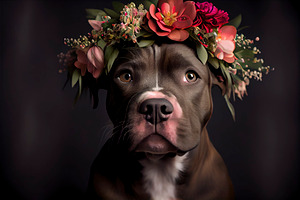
(218, 80)
(226, 86)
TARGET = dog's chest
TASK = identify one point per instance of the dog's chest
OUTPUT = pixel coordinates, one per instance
(160, 177)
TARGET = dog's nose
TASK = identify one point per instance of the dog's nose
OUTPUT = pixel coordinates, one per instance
(156, 110)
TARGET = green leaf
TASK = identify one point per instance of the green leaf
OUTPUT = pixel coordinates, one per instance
(154, 2)
(236, 22)
(112, 13)
(94, 13)
(245, 53)
(227, 77)
(111, 58)
(101, 15)
(144, 34)
(242, 28)
(229, 81)
(75, 77)
(107, 53)
(236, 79)
(214, 62)
(202, 54)
(223, 68)
(230, 106)
(101, 44)
(80, 85)
(147, 4)
(118, 6)
(145, 43)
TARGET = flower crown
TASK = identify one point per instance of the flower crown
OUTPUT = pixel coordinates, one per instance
(230, 56)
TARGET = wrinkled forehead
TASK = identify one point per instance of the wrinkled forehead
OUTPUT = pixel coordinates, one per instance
(167, 57)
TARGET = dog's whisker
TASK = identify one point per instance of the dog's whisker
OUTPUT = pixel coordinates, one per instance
(127, 129)
(124, 136)
(118, 129)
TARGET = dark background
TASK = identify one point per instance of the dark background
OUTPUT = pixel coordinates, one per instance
(47, 145)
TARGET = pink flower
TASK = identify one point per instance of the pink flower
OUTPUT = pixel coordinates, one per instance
(172, 18)
(96, 58)
(209, 17)
(97, 25)
(81, 62)
(226, 44)
(241, 89)
(93, 61)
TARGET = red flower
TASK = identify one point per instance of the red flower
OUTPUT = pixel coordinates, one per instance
(209, 17)
(172, 18)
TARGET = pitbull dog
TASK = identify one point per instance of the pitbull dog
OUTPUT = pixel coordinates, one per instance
(159, 100)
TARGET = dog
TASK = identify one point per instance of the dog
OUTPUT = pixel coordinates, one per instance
(159, 101)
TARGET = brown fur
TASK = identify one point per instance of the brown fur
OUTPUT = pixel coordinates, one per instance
(117, 172)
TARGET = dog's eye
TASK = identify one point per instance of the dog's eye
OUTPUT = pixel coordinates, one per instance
(125, 77)
(190, 76)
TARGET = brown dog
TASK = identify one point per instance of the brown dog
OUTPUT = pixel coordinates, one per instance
(159, 100)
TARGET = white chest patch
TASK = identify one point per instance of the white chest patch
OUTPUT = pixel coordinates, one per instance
(160, 177)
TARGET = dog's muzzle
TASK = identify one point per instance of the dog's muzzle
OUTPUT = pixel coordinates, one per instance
(156, 111)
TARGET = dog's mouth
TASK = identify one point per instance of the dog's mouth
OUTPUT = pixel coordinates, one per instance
(156, 147)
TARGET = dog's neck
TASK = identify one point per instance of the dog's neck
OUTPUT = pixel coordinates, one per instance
(160, 177)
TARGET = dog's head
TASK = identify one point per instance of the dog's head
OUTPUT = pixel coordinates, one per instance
(159, 99)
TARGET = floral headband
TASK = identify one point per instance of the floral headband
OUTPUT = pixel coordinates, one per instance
(230, 56)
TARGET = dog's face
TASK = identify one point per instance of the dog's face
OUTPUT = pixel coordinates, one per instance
(159, 99)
